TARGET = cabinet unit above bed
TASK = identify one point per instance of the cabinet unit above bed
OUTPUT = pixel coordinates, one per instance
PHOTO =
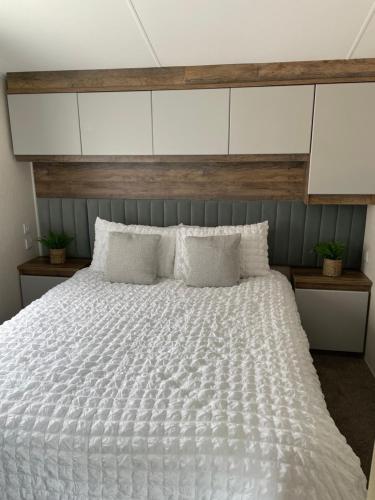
(44, 124)
(343, 145)
(271, 120)
(115, 123)
(190, 121)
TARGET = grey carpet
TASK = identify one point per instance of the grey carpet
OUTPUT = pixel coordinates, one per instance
(349, 390)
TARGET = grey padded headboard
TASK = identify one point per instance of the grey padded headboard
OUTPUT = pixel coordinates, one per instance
(294, 227)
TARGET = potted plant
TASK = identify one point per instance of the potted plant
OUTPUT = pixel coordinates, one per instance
(56, 243)
(332, 253)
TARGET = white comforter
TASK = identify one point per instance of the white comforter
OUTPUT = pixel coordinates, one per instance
(111, 391)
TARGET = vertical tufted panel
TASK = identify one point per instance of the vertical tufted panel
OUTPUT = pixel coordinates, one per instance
(294, 227)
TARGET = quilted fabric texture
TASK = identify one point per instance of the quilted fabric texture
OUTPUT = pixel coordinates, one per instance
(253, 247)
(113, 391)
(166, 247)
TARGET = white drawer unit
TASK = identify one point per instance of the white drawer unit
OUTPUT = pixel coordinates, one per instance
(33, 287)
(190, 121)
(116, 123)
(334, 320)
(37, 276)
(271, 120)
(333, 310)
(45, 124)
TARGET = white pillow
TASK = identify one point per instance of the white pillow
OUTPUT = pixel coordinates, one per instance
(166, 248)
(253, 247)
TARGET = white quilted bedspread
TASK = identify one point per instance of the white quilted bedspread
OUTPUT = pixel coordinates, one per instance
(112, 391)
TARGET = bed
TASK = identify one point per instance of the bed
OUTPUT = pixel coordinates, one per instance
(115, 391)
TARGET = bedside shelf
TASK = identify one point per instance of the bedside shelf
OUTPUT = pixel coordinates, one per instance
(40, 266)
(313, 278)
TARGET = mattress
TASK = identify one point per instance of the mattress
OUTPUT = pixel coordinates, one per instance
(114, 391)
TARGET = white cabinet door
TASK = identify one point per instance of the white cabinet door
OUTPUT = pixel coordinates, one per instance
(115, 123)
(334, 320)
(271, 120)
(33, 287)
(343, 144)
(44, 124)
(190, 121)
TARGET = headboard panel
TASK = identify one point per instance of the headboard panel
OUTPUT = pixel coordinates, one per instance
(294, 227)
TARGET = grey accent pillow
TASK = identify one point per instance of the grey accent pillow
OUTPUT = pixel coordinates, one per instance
(132, 258)
(212, 260)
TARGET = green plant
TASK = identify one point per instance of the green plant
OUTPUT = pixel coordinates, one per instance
(330, 250)
(56, 241)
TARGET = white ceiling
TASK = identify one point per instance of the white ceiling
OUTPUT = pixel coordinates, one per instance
(82, 34)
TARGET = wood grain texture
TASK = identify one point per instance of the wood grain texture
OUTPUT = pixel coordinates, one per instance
(155, 159)
(191, 178)
(40, 266)
(312, 278)
(340, 199)
(192, 77)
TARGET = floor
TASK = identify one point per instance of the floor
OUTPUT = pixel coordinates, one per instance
(349, 390)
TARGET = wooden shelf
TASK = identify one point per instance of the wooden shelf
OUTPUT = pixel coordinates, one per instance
(40, 266)
(312, 278)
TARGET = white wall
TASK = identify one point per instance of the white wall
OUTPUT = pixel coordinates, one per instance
(369, 269)
(16, 207)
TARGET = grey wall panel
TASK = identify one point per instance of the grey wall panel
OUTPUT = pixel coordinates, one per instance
(184, 212)
(282, 230)
(170, 212)
(68, 222)
(105, 209)
(118, 211)
(82, 238)
(157, 213)
(211, 216)
(144, 212)
(269, 212)
(253, 212)
(225, 213)
(311, 234)
(354, 251)
(131, 211)
(239, 212)
(296, 233)
(197, 212)
(294, 228)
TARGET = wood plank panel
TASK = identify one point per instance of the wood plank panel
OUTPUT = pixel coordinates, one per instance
(312, 278)
(40, 266)
(225, 179)
(340, 199)
(155, 159)
(193, 77)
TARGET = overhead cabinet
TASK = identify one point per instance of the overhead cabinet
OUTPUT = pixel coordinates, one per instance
(116, 123)
(190, 121)
(343, 143)
(271, 120)
(44, 124)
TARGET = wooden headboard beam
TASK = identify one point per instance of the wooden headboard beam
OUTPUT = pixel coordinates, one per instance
(193, 77)
(238, 178)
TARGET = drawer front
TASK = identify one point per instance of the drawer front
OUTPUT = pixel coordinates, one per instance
(333, 320)
(33, 287)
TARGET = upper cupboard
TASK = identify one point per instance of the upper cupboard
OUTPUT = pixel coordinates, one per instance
(271, 120)
(44, 124)
(170, 122)
(343, 142)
